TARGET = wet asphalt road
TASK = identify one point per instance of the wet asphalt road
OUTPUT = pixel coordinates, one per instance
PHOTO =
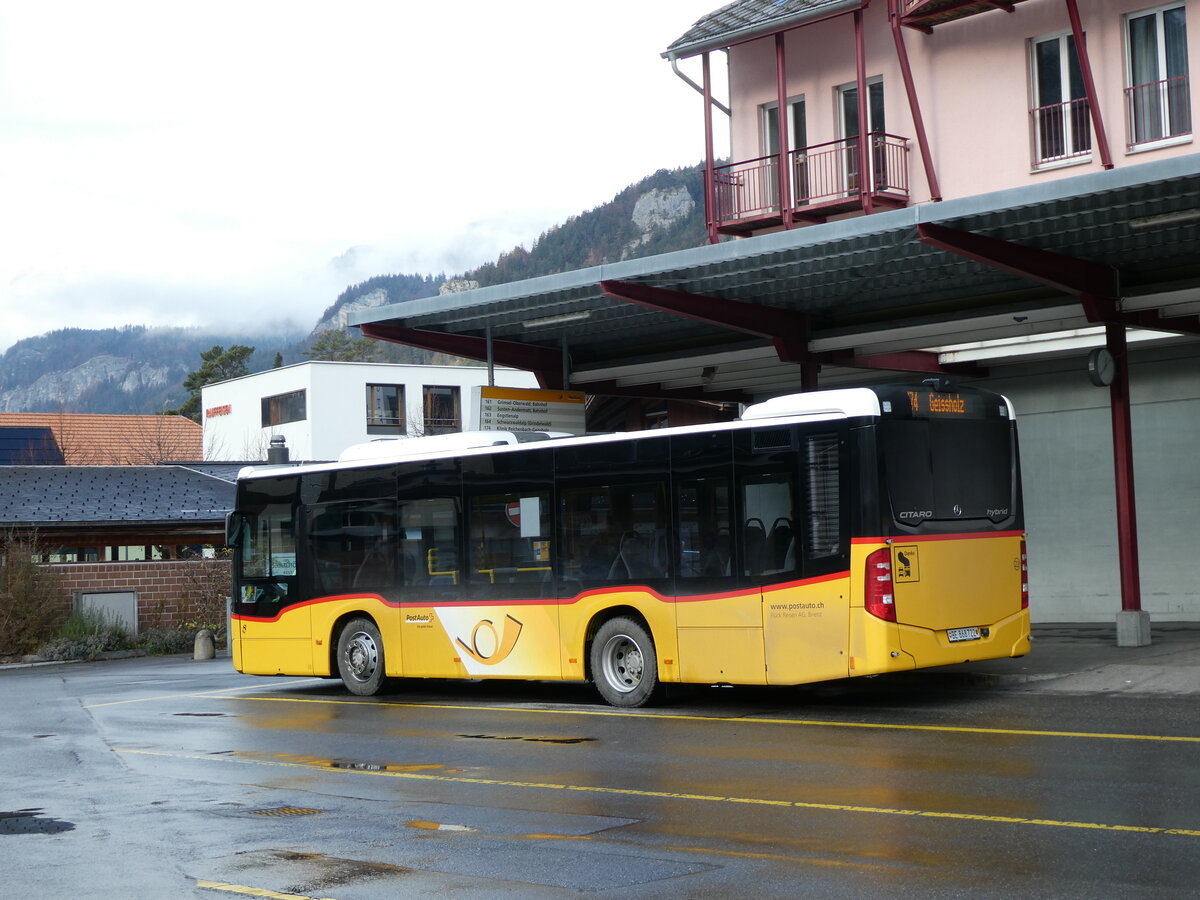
(173, 778)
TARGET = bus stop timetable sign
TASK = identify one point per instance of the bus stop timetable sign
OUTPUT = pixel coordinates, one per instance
(522, 409)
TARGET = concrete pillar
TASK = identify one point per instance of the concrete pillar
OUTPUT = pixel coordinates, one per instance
(1133, 628)
(202, 647)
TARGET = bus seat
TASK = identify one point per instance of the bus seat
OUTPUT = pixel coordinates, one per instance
(754, 546)
(780, 541)
(633, 559)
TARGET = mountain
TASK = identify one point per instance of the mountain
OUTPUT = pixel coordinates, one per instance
(135, 369)
(660, 213)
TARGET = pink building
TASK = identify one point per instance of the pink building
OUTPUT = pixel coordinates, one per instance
(964, 97)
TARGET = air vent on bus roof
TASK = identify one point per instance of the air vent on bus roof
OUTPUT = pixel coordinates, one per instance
(763, 439)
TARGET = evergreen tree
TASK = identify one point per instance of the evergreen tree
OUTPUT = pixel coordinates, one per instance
(217, 364)
(335, 345)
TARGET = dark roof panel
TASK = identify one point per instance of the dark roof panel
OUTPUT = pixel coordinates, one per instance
(54, 495)
(746, 19)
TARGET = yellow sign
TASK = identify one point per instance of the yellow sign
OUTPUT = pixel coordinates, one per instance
(905, 566)
(522, 409)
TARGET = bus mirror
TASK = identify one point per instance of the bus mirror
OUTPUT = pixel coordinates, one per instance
(233, 528)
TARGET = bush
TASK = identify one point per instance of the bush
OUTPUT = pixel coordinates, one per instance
(32, 602)
(164, 641)
(86, 634)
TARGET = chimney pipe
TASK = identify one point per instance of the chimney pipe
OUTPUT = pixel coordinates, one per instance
(277, 453)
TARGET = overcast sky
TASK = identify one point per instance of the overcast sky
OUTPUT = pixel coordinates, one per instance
(241, 163)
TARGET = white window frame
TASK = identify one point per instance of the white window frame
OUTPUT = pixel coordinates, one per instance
(1067, 132)
(1132, 144)
(798, 174)
(848, 170)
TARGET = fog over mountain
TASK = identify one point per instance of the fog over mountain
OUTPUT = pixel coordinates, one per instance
(135, 369)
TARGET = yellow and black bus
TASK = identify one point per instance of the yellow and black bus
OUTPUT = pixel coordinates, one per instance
(822, 535)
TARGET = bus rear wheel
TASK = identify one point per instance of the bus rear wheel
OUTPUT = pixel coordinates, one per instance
(360, 657)
(624, 663)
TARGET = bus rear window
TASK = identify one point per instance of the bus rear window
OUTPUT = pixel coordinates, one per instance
(945, 469)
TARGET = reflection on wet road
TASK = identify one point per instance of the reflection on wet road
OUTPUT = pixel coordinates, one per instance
(293, 788)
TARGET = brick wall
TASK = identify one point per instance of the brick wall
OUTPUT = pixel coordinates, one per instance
(169, 592)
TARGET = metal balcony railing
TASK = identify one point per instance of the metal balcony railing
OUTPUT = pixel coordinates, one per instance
(821, 178)
(1158, 110)
(1061, 131)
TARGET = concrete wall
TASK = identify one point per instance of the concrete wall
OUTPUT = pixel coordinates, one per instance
(1067, 463)
(336, 405)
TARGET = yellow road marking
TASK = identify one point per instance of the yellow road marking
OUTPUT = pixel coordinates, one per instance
(213, 693)
(749, 720)
(671, 795)
(251, 891)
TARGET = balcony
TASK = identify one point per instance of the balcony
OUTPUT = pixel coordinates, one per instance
(925, 14)
(1062, 132)
(1158, 111)
(823, 180)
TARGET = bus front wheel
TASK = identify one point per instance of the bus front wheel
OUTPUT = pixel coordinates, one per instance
(624, 663)
(360, 657)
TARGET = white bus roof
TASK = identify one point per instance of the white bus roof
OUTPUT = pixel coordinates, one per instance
(813, 406)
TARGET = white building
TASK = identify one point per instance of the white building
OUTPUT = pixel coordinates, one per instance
(320, 408)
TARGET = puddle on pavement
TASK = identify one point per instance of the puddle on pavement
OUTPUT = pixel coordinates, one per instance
(206, 715)
(536, 740)
(28, 821)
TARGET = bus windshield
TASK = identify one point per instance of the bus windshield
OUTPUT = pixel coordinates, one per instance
(948, 469)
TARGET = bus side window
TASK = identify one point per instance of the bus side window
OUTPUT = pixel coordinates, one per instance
(767, 498)
(353, 546)
(702, 514)
(430, 540)
(509, 538)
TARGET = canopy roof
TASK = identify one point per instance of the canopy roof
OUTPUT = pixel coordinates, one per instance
(1033, 266)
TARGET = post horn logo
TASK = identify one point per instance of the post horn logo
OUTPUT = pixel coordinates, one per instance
(496, 648)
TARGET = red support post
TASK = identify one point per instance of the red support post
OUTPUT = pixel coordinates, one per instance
(784, 182)
(864, 137)
(710, 165)
(1122, 431)
(914, 103)
(1089, 84)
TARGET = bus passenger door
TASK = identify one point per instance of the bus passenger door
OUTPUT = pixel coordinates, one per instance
(272, 633)
(805, 596)
(430, 547)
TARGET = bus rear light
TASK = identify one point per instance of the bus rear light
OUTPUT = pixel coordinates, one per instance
(1024, 577)
(878, 598)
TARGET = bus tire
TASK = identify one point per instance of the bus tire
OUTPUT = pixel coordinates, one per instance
(360, 657)
(624, 663)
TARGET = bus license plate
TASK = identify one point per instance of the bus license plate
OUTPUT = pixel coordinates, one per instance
(962, 634)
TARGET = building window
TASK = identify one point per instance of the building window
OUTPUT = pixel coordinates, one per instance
(385, 408)
(1158, 99)
(797, 147)
(876, 128)
(283, 408)
(442, 411)
(1060, 116)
